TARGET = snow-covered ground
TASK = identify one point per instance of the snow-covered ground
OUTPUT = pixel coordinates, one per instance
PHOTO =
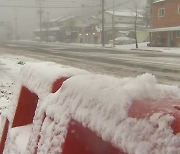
(142, 46)
(11, 65)
(9, 69)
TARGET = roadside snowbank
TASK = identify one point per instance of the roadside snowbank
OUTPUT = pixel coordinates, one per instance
(38, 77)
(10, 67)
(143, 46)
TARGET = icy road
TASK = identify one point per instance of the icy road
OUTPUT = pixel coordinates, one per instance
(165, 66)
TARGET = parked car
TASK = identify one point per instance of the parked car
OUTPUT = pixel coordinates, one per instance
(124, 40)
(52, 39)
(38, 39)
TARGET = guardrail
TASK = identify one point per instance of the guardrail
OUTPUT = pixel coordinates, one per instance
(59, 109)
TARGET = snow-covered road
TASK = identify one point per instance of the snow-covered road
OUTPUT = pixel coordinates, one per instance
(121, 63)
(130, 63)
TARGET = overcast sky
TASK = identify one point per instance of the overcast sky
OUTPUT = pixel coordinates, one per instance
(28, 18)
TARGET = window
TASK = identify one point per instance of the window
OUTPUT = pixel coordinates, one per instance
(177, 34)
(161, 12)
(178, 9)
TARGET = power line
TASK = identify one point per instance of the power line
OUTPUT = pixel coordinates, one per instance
(56, 5)
(53, 7)
(19, 1)
(46, 2)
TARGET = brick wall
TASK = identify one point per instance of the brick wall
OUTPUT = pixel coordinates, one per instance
(171, 19)
(176, 40)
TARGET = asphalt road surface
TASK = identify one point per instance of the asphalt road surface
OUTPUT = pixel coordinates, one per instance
(109, 61)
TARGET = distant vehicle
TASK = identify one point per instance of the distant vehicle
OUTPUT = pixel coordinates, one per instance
(38, 39)
(51, 39)
(124, 40)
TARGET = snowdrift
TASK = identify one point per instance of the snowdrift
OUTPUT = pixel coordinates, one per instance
(71, 111)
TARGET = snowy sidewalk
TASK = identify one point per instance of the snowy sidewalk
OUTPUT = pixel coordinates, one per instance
(142, 47)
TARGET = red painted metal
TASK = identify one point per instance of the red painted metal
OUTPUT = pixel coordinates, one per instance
(39, 136)
(55, 87)
(58, 83)
(145, 109)
(4, 136)
(26, 108)
(81, 140)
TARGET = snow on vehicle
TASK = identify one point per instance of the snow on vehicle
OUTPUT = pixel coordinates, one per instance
(124, 40)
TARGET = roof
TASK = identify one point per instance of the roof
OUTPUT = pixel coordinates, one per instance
(125, 13)
(123, 25)
(61, 19)
(54, 20)
(165, 29)
(159, 1)
(49, 29)
(65, 18)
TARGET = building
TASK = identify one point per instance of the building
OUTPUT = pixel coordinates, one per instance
(70, 29)
(92, 33)
(124, 25)
(74, 29)
(63, 29)
(165, 23)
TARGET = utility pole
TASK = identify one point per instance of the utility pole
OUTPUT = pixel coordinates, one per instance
(83, 28)
(16, 25)
(103, 35)
(151, 11)
(135, 25)
(47, 27)
(40, 17)
(113, 24)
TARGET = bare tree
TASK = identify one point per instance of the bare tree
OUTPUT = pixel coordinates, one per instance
(147, 13)
(136, 14)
